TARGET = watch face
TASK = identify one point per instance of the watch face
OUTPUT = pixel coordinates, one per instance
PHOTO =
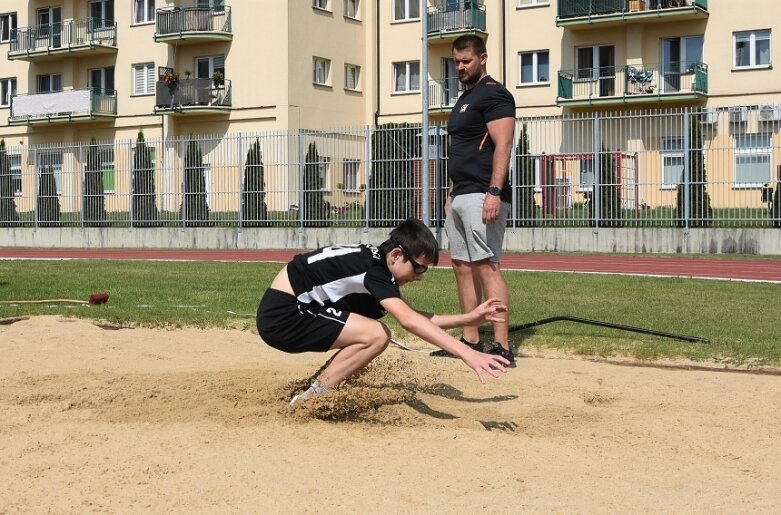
(493, 190)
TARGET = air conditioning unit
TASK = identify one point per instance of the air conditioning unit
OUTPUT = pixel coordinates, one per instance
(769, 113)
(738, 115)
(710, 116)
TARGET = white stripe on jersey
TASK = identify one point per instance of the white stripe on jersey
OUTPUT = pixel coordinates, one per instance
(334, 290)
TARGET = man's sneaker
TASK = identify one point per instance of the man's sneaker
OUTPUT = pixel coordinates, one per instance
(507, 354)
(442, 353)
(315, 389)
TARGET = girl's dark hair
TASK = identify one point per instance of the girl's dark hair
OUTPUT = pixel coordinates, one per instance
(416, 239)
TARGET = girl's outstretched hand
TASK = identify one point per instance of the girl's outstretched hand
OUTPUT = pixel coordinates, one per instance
(481, 362)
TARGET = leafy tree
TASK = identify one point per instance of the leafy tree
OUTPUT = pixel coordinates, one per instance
(395, 147)
(700, 212)
(48, 202)
(8, 214)
(254, 211)
(144, 202)
(195, 208)
(316, 210)
(526, 207)
(94, 201)
(610, 213)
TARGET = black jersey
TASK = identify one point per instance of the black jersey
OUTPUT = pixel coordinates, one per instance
(470, 160)
(351, 277)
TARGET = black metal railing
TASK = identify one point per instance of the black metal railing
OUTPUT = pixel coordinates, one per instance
(64, 35)
(172, 22)
(193, 93)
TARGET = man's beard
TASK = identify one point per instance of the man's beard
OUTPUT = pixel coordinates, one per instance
(468, 79)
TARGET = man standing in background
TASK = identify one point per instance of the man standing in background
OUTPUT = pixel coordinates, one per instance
(481, 127)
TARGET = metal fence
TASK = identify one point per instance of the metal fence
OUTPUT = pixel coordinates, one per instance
(714, 167)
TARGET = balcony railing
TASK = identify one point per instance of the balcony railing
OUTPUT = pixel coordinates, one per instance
(634, 83)
(443, 93)
(67, 36)
(589, 8)
(193, 22)
(467, 17)
(75, 104)
(192, 94)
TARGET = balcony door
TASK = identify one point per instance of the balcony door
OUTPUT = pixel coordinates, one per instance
(598, 63)
(49, 27)
(679, 58)
(450, 84)
(101, 14)
(101, 80)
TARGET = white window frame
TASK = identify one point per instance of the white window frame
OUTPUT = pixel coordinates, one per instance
(7, 90)
(522, 4)
(351, 168)
(323, 5)
(149, 78)
(753, 36)
(321, 71)
(407, 9)
(586, 172)
(15, 162)
(352, 9)
(536, 78)
(55, 82)
(352, 77)
(7, 25)
(671, 148)
(407, 66)
(764, 152)
(147, 10)
(322, 172)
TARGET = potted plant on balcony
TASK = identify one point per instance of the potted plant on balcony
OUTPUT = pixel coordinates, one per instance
(218, 78)
(170, 79)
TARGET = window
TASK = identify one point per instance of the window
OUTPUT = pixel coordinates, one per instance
(321, 4)
(49, 83)
(321, 71)
(52, 161)
(322, 172)
(534, 68)
(406, 77)
(351, 174)
(7, 90)
(7, 25)
(753, 160)
(15, 160)
(752, 49)
(102, 79)
(143, 11)
(217, 5)
(144, 79)
(352, 75)
(672, 161)
(351, 8)
(530, 3)
(586, 181)
(107, 166)
(207, 66)
(404, 10)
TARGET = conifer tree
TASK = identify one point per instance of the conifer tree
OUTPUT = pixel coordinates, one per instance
(94, 201)
(195, 208)
(254, 211)
(8, 215)
(48, 202)
(144, 201)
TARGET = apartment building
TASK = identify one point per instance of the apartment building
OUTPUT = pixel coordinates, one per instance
(107, 69)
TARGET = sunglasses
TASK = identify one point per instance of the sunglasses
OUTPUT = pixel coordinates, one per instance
(416, 267)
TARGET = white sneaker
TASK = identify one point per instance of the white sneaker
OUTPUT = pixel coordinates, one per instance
(315, 389)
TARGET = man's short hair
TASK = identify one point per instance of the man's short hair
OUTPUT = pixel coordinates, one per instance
(472, 41)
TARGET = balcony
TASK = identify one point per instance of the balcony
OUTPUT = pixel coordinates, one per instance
(85, 37)
(443, 94)
(610, 85)
(450, 21)
(193, 96)
(591, 14)
(193, 24)
(75, 105)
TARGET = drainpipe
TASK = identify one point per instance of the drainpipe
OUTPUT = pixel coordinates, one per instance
(504, 42)
(377, 64)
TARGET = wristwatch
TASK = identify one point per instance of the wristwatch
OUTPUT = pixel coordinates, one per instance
(494, 190)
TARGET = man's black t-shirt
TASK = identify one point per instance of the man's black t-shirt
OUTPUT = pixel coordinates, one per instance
(351, 277)
(470, 160)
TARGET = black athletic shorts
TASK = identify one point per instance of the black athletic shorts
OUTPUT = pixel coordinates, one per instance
(288, 327)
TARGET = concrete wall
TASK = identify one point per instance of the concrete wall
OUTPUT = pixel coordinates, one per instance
(667, 241)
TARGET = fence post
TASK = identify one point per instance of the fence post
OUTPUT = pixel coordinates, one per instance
(368, 174)
(686, 170)
(83, 186)
(301, 181)
(595, 188)
(240, 140)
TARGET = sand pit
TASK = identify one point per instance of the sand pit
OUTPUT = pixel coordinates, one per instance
(194, 421)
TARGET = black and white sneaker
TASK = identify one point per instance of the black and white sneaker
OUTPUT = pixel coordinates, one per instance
(442, 353)
(507, 354)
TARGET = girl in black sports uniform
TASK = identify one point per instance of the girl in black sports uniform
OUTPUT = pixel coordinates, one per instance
(332, 298)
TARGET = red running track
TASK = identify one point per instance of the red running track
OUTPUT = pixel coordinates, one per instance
(749, 269)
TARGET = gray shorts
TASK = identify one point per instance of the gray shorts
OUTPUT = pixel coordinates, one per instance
(469, 238)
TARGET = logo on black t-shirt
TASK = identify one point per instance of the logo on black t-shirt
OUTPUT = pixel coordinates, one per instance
(463, 108)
